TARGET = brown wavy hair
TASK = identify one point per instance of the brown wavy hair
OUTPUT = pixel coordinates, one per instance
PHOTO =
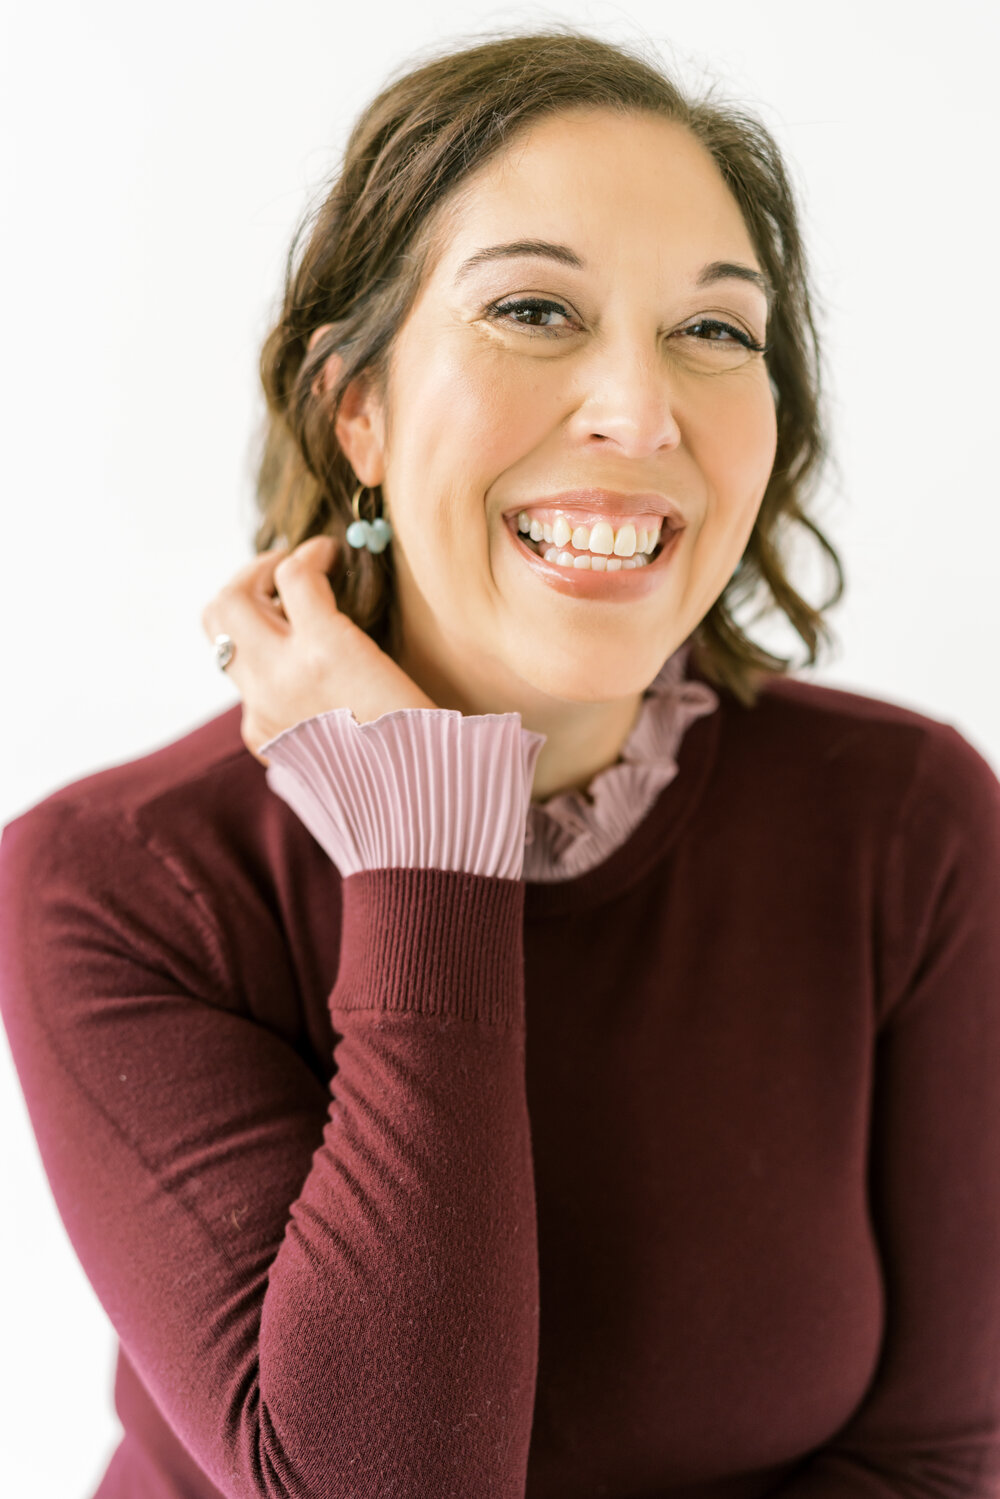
(357, 262)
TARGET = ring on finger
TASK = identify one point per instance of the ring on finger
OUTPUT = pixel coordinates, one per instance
(225, 650)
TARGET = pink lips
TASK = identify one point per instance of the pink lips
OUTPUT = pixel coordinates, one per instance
(613, 502)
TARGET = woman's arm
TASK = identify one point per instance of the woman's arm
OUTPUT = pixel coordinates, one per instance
(327, 1290)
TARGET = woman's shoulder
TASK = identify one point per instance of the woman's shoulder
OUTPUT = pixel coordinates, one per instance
(182, 855)
(195, 763)
(199, 803)
(857, 748)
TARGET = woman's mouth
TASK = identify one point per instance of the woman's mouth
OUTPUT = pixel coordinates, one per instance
(577, 576)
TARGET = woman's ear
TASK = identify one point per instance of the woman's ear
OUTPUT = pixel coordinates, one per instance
(360, 429)
(325, 380)
(359, 417)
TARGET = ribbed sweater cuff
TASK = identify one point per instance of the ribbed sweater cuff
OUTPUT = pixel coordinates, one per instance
(432, 942)
(419, 788)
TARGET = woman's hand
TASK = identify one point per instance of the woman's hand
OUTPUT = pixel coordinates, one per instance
(296, 654)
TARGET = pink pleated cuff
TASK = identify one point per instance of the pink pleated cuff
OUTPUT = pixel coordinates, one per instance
(418, 788)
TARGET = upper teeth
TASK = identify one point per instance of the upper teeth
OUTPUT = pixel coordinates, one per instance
(599, 538)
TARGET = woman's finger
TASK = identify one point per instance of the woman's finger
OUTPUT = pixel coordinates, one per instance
(244, 610)
(255, 578)
(303, 584)
(257, 575)
(260, 579)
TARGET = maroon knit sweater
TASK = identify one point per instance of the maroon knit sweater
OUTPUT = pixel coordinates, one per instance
(676, 1180)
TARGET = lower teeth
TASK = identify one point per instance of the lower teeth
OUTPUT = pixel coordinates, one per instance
(590, 561)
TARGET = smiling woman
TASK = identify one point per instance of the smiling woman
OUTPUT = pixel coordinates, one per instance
(649, 375)
(560, 1058)
(679, 259)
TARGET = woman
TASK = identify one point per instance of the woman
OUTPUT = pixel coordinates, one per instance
(569, 1068)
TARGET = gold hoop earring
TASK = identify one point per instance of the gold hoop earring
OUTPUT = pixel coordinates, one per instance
(375, 535)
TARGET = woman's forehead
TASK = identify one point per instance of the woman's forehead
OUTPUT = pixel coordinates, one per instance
(569, 180)
(603, 149)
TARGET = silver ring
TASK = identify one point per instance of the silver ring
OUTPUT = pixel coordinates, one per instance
(225, 650)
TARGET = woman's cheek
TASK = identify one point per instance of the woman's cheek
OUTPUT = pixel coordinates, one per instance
(503, 416)
(735, 442)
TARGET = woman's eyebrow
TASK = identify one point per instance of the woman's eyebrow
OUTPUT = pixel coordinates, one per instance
(716, 270)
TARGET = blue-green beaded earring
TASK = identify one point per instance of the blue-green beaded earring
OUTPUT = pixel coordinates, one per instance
(375, 535)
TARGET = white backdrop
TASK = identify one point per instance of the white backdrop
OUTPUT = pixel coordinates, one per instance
(157, 160)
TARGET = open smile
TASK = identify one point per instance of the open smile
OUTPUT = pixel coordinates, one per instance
(585, 582)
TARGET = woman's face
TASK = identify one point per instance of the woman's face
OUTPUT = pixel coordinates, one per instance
(619, 382)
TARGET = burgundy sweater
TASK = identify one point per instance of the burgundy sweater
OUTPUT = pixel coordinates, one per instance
(677, 1177)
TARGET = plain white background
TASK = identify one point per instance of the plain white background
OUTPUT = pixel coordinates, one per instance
(157, 161)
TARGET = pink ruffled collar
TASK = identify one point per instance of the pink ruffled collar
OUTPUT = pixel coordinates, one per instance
(567, 834)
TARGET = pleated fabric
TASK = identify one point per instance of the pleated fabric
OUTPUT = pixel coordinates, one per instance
(432, 788)
(569, 834)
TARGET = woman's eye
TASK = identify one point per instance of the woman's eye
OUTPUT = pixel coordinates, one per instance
(704, 331)
(713, 327)
(507, 311)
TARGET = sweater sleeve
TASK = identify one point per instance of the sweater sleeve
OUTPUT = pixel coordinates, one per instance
(328, 1290)
(427, 788)
(929, 1423)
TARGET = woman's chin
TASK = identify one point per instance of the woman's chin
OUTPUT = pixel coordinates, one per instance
(586, 679)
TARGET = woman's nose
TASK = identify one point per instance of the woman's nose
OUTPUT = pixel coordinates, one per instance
(630, 403)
